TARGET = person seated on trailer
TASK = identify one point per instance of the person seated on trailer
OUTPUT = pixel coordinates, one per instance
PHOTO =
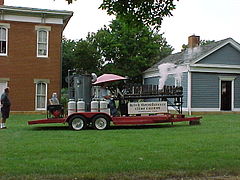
(55, 108)
(54, 100)
(105, 94)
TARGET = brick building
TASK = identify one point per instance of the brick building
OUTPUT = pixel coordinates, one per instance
(30, 54)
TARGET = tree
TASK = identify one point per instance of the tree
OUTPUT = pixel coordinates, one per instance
(68, 48)
(148, 12)
(87, 57)
(129, 49)
(122, 48)
(81, 55)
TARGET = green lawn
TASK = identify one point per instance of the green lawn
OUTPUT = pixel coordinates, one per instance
(130, 152)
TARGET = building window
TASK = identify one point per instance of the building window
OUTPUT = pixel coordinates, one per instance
(41, 96)
(42, 40)
(42, 43)
(178, 81)
(3, 41)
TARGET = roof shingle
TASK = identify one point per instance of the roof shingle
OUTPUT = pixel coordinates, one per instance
(188, 55)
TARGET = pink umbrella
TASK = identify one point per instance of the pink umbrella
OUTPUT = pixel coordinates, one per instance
(108, 78)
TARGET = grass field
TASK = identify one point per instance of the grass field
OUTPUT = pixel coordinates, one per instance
(130, 152)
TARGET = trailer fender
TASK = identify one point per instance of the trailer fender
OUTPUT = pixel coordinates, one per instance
(70, 117)
(104, 114)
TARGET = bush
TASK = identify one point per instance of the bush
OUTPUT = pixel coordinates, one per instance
(64, 98)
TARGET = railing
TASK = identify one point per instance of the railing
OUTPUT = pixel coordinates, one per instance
(172, 94)
(153, 90)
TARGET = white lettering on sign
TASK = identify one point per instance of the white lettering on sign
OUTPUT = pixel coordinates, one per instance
(147, 107)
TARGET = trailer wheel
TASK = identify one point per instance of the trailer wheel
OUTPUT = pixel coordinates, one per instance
(78, 123)
(100, 122)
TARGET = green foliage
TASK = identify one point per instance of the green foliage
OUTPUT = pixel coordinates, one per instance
(64, 98)
(68, 48)
(184, 47)
(128, 46)
(52, 151)
(129, 49)
(122, 48)
(206, 42)
(87, 57)
(202, 43)
(69, 1)
(150, 13)
(82, 55)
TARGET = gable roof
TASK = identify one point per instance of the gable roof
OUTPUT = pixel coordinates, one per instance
(193, 55)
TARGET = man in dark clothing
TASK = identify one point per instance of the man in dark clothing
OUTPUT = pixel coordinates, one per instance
(5, 109)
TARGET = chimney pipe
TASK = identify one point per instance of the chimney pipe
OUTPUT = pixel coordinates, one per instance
(1, 2)
(193, 41)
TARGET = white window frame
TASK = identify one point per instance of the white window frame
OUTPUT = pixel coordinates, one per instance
(177, 83)
(6, 27)
(46, 29)
(36, 96)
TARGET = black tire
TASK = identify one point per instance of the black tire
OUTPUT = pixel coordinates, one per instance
(77, 123)
(100, 122)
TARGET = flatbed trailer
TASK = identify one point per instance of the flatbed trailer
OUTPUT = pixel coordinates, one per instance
(100, 121)
(138, 105)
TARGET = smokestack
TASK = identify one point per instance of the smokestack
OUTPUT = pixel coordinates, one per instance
(193, 41)
(1, 2)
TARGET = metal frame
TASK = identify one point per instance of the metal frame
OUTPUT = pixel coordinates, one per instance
(143, 92)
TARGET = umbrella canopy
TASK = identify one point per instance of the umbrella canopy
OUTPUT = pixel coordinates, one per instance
(108, 78)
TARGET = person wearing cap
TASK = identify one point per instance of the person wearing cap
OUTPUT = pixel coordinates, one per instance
(5, 108)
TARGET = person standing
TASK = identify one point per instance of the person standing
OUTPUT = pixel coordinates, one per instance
(5, 109)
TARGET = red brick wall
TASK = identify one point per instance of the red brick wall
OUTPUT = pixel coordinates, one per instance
(22, 65)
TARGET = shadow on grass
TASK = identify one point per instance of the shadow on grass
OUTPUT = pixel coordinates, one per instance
(148, 126)
(112, 127)
(47, 128)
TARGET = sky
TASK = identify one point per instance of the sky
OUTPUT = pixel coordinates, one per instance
(209, 19)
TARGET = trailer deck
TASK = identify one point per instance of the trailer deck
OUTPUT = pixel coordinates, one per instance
(137, 105)
(154, 119)
(123, 120)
